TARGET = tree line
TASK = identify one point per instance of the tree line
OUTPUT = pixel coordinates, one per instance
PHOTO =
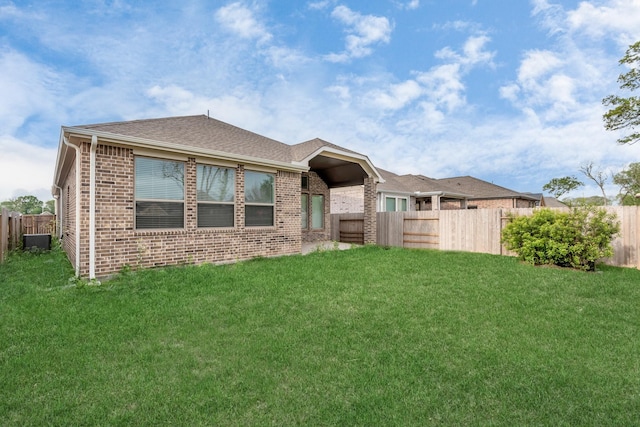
(29, 205)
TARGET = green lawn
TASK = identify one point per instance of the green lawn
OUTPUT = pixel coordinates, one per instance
(369, 336)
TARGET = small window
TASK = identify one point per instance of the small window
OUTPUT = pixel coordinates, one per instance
(305, 182)
(216, 190)
(259, 196)
(390, 203)
(317, 211)
(159, 193)
(304, 203)
(403, 205)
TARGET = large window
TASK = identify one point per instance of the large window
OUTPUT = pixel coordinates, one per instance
(216, 189)
(159, 193)
(304, 203)
(317, 211)
(393, 204)
(259, 196)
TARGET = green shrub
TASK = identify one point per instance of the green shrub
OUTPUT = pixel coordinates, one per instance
(575, 239)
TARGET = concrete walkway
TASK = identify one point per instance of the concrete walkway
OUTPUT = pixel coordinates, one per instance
(325, 246)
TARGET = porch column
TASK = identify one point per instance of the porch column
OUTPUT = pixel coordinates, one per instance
(435, 203)
(370, 228)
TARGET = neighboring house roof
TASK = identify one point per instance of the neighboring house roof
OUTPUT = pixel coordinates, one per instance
(552, 202)
(482, 189)
(417, 185)
(202, 135)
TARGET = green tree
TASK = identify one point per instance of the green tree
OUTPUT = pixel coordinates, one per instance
(560, 186)
(587, 201)
(629, 182)
(625, 111)
(24, 204)
(49, 206)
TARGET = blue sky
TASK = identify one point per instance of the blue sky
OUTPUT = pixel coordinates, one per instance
(506, 91)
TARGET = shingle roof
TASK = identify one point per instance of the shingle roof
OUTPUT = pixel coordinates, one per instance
(552, 202)
(482, 189)
(200, 132)
(304, 149)
(414, 183)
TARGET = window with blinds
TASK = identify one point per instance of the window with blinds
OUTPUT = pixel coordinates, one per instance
(159, 193)
(259, 196)
(216, 196)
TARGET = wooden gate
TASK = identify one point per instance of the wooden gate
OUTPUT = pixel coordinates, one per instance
(421, 230)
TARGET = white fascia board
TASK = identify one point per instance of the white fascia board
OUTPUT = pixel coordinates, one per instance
(362, 160)
(183, 149)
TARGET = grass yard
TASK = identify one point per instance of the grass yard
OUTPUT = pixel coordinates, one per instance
(369, 336)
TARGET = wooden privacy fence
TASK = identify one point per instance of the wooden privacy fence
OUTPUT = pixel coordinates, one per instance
(13, 225)
(479, 230)
(10, 232)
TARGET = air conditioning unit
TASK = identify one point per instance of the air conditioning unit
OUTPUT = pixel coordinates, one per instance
(36, 242)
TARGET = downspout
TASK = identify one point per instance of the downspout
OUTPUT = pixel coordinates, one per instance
(57, 211)
(77, 149)
(92, 208)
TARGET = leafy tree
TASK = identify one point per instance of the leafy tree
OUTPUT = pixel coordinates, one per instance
(598, 176)
(629, 182)
(24, 204)
(588, 201)
(625, 111)
(49, 206)
(560, 186)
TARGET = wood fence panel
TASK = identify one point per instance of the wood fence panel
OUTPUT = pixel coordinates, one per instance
(350, 228)
(390, 227)
(4, 233)
(625, 246)
(10, 232)
(38, 224)
(421, 230)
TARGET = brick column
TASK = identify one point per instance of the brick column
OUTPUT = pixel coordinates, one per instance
(190, 200)
(370, 227)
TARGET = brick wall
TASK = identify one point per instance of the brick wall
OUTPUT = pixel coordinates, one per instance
(118, 244)
(501, 203)
(370, 226)
(68, 217)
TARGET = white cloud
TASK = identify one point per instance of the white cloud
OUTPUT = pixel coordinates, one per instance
(27, 89)
(363, 31)
(617, 16)
(241, 20)
(397, 96)
(26, 169)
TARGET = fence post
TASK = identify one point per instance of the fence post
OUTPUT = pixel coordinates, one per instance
(4, 233)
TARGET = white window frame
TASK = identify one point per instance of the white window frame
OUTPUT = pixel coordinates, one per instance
(157, 200)
(215, 202)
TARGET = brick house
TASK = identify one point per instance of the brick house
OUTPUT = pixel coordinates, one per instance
(486, 195)
(420, 193)
(194, 189)
(401, 193)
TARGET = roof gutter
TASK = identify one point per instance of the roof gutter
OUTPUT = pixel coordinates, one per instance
(183, 149)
